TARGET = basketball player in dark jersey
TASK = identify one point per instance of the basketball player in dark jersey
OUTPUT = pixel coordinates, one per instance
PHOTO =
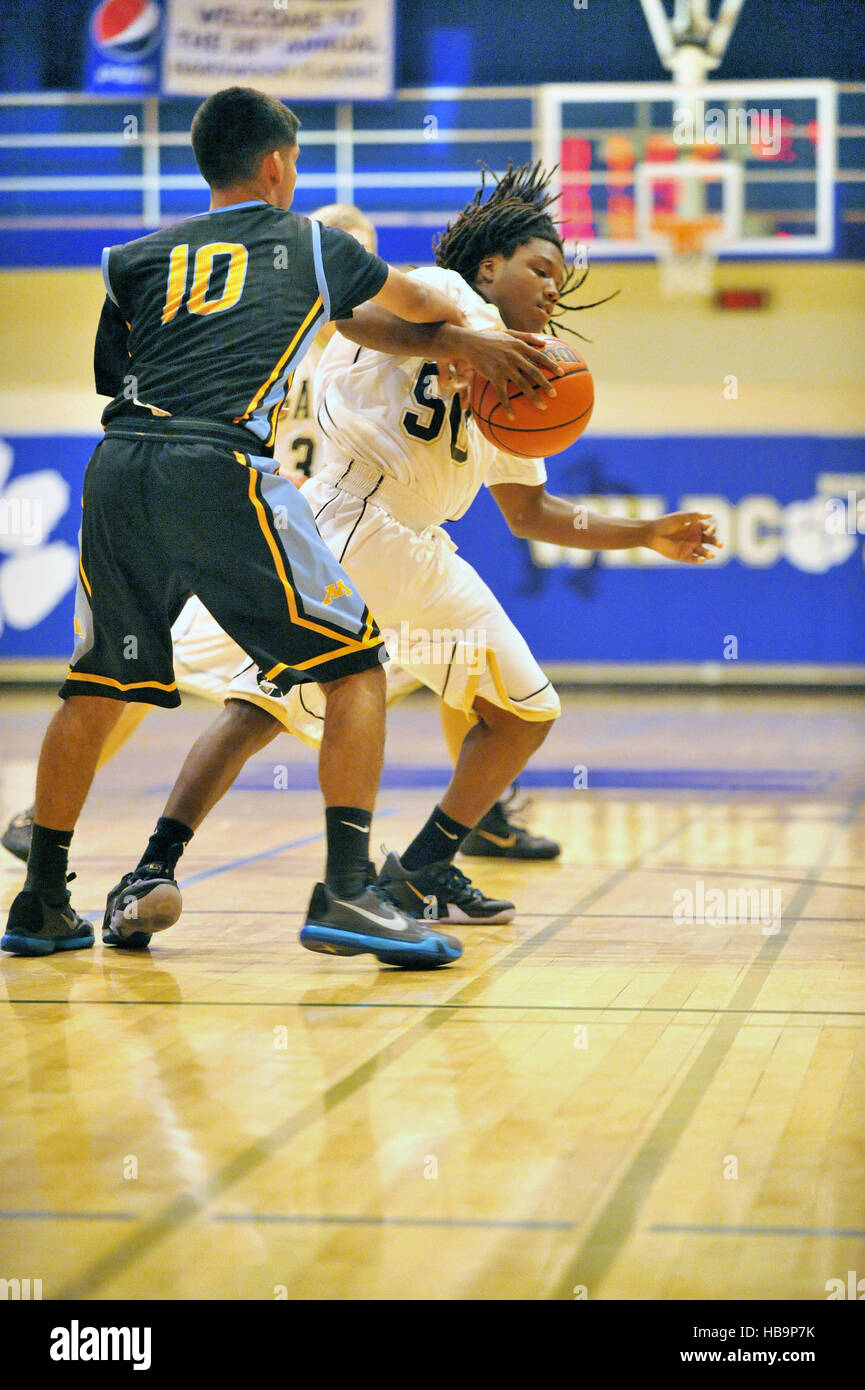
(202, 326)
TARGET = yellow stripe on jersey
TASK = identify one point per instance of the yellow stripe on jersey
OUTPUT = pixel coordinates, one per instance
(540, 716)
(84, 580)
(263, 388)
(274, 417)
(107, 680)
(347, 644)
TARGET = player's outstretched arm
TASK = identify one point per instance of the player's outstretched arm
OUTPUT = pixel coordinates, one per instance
(411, 298)
(533, 514)
(498, 354)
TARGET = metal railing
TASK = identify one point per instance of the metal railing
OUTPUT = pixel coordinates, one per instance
(410, 162)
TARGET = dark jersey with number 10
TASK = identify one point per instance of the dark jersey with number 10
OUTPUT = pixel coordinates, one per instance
(208, 319)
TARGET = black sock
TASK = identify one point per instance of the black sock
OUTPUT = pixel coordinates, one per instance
(166, 845)
(348, 830)
(439, 840)
(48, 863)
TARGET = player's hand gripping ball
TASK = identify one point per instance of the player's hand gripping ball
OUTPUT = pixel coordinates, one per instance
(534, 433)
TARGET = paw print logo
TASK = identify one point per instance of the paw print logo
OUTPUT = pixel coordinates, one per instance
(809, 542)
(35, 573)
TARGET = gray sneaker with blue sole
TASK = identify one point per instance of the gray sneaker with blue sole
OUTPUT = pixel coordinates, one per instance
(37, 928)
(371, 924)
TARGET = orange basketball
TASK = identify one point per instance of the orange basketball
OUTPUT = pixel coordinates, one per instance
(535, 433)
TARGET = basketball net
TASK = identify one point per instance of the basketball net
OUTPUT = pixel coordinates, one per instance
(686, 253)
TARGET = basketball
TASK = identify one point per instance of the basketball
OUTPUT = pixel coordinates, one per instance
(534, 433)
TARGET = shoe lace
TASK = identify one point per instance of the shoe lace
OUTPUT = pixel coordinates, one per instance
(457, 886)
(510, 810)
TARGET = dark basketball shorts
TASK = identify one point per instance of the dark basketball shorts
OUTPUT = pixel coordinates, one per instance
(166, 515)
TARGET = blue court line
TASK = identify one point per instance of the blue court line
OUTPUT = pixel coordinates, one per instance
(302, 1219)
(241, 863)
(662, 1229)
(469, 1223)
(470, 1009)
(265, 854)
(303, 777)
(250, 859)
(69, 1216)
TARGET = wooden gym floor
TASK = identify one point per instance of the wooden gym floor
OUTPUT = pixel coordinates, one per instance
(602, 1099)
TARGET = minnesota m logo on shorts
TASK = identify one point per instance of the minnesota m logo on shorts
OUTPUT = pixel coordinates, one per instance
(338, 590)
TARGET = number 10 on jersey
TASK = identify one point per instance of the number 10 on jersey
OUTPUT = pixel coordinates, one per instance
(197, 302)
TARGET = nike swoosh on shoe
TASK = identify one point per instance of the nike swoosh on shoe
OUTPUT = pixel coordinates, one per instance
(503, 841)
(391, 923)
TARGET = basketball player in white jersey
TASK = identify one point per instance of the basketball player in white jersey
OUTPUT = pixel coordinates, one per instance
(399, 461)
(299, 451)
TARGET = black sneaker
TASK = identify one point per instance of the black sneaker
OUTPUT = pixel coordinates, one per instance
(497, 837)
(144, 901)
(441, 893)
(370, 923)
(35, 928)
(18, 834)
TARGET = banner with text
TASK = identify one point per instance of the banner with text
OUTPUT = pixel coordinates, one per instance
(786, 588)
(299, 50)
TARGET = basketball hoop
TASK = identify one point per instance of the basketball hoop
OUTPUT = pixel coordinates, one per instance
(687, 252)
(686, 237)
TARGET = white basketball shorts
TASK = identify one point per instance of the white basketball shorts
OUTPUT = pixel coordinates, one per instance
(441, 623)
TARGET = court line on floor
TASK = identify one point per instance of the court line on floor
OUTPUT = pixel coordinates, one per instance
(328, 1219)
(521, 916)
(226, 866)
(266, 854)
(70, 1216)
(618, 1216)
(456, 1008)
(753, 873)
(662, 1228)
(310, 1219)
(170, 1218)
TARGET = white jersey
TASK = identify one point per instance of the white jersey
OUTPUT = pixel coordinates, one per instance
(298, 438)
(385, 412)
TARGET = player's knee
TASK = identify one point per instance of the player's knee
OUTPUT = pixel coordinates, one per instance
(370, 681)
(529, 734)
(250, 724)
(530, 726)
(93, 711)
(534, 731)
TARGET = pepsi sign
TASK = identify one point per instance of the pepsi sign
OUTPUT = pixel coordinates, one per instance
(124, 46)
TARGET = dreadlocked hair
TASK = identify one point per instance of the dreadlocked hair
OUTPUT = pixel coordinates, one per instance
(515, 212)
